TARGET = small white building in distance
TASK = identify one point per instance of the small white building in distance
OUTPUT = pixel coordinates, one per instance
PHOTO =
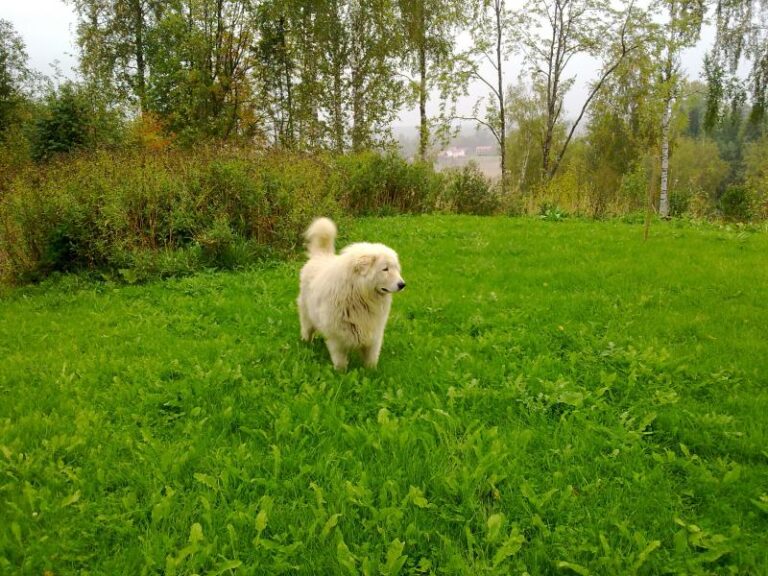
(453, 152)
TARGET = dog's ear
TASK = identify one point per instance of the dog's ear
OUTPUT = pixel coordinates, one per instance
(364, 263)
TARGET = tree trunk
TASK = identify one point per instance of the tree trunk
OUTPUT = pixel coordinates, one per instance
(289, 132)
(141, 82)
(502, 115)
(424, 123)
(338, 114)
(665, 129)
(358, 115)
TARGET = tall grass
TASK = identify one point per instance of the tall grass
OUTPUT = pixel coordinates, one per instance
(136, 215)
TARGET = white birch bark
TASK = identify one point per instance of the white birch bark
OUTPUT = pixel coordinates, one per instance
(665, 129)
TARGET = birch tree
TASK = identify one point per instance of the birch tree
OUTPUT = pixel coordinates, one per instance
(491, 29)
(14, 74)
(429, 30)
(741, 38)
(553, 33)
(681, 30)
(112, 36)
(275, 74)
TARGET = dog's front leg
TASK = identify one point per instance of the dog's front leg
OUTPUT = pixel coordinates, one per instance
(371, 353)
(338, 354)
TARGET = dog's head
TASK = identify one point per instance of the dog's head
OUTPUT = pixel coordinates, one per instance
(377, 266)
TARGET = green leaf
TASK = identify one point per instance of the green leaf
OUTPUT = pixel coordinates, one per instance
(16, 529)
(209, 481)
(762, 504)
(495, 523)
(538, 501)
(261, 521)
(71, 499)
(129, 275)
(511, 546)
(345, 557)
(196, 533)
(395, 558)
(646, 421)
(330, 524)
(577, 568)
(732, 475)
(225, 566)
(572, 398)
(653, 545)
(416, 496)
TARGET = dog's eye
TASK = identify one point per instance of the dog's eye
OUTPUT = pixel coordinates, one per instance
(386, 269)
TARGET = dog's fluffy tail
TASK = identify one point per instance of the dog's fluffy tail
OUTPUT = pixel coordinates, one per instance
(320, 236)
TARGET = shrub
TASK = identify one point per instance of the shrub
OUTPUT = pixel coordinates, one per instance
(679, 201)
(137, 216)
(633, 190)
(695, 167)
(736, 203)
(373, 184)
(74, 117)
(568, 191)
(468, 191)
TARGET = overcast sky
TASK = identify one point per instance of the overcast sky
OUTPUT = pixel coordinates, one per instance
(48, 30)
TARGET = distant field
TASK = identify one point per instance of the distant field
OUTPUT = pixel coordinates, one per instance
(552, 397)
(488, 165)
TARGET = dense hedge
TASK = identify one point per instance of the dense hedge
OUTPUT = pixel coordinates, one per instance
(136, 215)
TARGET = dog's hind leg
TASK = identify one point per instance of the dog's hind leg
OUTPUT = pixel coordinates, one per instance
(307, 329)
(338, 354)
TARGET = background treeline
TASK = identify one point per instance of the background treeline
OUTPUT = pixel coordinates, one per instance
(209, 130)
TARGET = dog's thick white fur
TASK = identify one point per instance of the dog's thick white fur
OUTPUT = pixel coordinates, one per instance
(347, 297)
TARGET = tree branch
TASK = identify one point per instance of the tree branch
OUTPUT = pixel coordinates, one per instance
(480, 121)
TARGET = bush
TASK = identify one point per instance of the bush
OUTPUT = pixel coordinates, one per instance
(137, 216)
(568, 191)
(468, 191)
(371, 184)
(736, 203)
(74, 117)
(153, 211)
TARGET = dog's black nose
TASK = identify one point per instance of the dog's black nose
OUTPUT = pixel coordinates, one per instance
(400, 285)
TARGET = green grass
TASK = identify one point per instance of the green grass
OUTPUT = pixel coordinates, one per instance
(552, 397)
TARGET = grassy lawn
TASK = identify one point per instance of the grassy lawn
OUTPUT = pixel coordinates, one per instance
(552, 397)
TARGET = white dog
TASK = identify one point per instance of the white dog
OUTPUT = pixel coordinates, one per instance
(347, 297)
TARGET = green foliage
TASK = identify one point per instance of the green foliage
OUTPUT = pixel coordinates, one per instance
(633, 190)
(736, 203)
(63, 126)
(153, 211)
(14, 73)
(74, 117)
(695, 168)
(130, 214)
(15, 103)
(468, 191)
(756, 175)
(528, 122)
(568, 191)
(382, 184)
(561, 398)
